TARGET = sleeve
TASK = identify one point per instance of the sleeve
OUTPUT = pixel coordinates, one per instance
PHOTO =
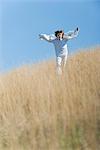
(46, 37)
(71, 34)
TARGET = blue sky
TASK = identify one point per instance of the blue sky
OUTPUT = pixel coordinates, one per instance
(22, 20)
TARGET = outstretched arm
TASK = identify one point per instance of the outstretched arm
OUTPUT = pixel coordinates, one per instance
(72, 34)
(45, 37)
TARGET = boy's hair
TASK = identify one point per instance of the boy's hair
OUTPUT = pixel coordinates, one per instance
(59, 31)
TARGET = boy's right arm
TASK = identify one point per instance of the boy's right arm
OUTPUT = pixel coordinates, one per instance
(45, 37)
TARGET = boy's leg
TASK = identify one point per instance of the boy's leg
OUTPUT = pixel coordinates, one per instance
(64, 59)
(58, 65)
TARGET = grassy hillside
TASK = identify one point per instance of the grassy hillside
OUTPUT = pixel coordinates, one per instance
(42, 111)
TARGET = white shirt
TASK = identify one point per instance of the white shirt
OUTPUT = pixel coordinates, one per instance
(60, 44)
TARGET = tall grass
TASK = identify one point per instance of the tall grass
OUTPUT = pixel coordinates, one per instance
(42, 111)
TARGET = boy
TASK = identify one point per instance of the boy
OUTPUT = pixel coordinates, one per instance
(60, 44)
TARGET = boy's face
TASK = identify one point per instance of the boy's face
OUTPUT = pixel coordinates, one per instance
(59, 35)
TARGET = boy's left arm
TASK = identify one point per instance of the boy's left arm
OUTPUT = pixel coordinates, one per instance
(72, 34)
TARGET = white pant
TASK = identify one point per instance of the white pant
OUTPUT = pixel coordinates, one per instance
(60, 63)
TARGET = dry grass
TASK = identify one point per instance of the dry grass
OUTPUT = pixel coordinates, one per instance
(41, 111)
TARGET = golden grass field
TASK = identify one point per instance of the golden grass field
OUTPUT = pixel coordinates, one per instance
(42, 111)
